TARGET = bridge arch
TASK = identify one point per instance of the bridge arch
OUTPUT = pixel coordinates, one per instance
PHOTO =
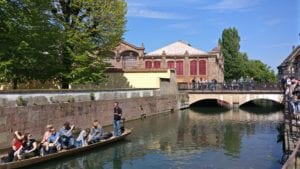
(263, 99)
(212, 102)
(235, 98)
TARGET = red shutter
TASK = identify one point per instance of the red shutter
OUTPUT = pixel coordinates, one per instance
(179, 67)
(202, 67)
(193, 67)
(148, 64)
(170, 64)
(157, 64)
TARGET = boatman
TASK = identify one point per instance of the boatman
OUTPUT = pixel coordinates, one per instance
(117, 119)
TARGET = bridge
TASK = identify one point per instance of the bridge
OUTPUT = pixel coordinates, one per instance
(233, 96)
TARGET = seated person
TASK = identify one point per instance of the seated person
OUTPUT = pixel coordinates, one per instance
(16, 146)
(47, 133)
(81, 140)
(95, 133)
(29, 147)
(53, 143)
(66, 135)
(44, 140)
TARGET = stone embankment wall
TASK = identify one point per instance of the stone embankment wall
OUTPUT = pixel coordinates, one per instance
(31, 112)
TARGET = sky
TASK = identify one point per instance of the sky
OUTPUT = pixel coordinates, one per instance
(268, 28)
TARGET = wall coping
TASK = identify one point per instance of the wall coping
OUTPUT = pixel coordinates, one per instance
(64, 91)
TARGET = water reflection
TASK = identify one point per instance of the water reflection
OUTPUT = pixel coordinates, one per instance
(189, 139)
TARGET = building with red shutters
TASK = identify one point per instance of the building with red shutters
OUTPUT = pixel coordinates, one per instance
(187, 61)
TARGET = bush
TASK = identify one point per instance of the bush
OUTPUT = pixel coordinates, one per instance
(21, 101)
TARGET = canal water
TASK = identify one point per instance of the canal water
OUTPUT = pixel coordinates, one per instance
(207, 138)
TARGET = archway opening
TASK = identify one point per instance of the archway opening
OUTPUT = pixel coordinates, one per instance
(262, 106)
(129, 59)
(210, 106)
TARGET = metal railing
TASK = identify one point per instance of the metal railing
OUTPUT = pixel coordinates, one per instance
(291, 162)
(229, 86)
(292, 135)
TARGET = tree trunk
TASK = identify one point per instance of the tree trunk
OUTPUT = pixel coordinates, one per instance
(15, 84)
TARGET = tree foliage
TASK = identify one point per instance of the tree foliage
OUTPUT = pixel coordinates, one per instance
(91, 29)
(29, 45)
(237, 64)
(64, 40)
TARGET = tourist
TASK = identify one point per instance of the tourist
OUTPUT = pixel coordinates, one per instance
(47, 134)
(53, 142)
(194, 83)
(96, 133)
(16, 146)
(117, 119)
(44, 142)
(82, 139)
(66, 136)
(29, 147)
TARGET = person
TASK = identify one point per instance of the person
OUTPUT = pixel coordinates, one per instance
(53, 142)
(82, 139)
(29, 147)
(44, 141)
(47, 133)
(66, 135)
(16, 146)
(194, 83)
(96, 133)
(117, 119)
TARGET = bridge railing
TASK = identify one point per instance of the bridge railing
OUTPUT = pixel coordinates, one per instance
(228, 86)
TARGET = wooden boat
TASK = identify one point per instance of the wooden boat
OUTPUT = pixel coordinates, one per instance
(62, 153)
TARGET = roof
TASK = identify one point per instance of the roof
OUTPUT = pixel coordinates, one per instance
(178, 48)
(290, 58)
(133, 46)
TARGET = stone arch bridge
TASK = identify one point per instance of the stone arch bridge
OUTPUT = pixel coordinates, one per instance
(233, 98)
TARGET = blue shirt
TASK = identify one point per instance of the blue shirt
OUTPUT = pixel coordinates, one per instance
(53, 137)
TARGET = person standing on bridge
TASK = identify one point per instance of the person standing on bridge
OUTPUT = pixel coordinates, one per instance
(117, 119)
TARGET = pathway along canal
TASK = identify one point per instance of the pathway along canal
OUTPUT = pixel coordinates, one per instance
(208, 138)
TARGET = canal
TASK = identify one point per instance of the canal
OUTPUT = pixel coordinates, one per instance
(208, 138)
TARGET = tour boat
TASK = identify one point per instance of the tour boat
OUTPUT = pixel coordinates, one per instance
(62, 153)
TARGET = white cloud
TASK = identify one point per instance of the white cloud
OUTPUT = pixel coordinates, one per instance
(236, 5)
(140, 10)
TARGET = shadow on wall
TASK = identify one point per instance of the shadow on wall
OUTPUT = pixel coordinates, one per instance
(114, 80)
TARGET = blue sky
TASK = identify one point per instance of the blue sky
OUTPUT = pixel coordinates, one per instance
(268, 28)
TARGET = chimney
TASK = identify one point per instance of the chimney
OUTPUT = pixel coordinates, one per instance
(293, 47)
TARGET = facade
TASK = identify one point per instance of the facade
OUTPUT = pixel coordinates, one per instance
(127, 56)
(291, 65)
(187, 61)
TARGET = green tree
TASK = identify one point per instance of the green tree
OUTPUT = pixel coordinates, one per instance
(230, 43)
(29, 43)
(260, 71)
(237, 64)
(92, 28)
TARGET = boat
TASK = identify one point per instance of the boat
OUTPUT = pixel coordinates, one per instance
(62, 153)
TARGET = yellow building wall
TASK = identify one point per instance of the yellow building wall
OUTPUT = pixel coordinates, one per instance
(146, 79)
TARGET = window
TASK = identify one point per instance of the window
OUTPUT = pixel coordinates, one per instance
(148, 64)
(179, 67)
(170, 64)
(202, 67)
(157, 64)
(193, 67)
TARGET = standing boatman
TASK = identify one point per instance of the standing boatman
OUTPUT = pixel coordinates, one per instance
(117, 119)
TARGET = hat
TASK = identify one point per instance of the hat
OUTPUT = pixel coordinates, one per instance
(49, 126)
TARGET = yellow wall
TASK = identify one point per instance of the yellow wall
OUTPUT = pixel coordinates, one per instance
(146, 79)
